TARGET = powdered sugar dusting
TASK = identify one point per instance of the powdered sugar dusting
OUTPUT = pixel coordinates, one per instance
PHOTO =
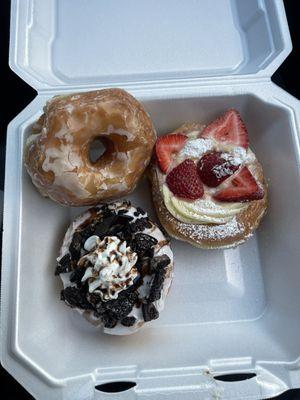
(195, 148)
(238, 155)
(231, 159)
(214, 232)
(223, 170)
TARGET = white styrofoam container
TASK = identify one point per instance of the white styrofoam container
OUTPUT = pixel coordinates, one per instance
(229, 311)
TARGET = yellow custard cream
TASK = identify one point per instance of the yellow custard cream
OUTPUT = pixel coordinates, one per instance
(202, 211)
(205, 210)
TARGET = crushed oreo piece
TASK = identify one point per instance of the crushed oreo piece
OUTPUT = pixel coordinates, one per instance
(114, 230)
(125, 234)
(102, 228)
(142, 242)
(159, 262)
(156, 286)
(121, 229)
(63, 265)
(139, 265)
(140, 210)
(149, 253)
(75, 246)
(108, 321)
(116, 309)
(122, 306)
(95, 300)
(106, 211)
(122, 212)
(158, 268)
(120, 310)
(140, 225)
(128, 321)
(123, 219)
(87, 232)
(149, 312)
(155, 294)
(76, 298)
(77, 275)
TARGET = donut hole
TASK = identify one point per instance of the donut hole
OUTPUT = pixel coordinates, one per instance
(99, 147)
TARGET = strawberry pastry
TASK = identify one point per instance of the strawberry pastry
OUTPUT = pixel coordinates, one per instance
(207, 185)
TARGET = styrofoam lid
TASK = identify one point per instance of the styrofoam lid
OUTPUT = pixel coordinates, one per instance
(77, 43)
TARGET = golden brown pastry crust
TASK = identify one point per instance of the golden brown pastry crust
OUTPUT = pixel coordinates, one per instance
(210, 236)
(57, 154)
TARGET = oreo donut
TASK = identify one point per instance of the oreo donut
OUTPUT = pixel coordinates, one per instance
(116, 267)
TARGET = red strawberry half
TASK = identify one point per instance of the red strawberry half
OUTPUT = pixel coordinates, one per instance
(214, 167)
(242, 187)
(228, 128)
(184, 181)
(166, 146)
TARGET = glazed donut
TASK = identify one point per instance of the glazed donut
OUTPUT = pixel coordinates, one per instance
(116, 267)
(208, 187)
(57, 154)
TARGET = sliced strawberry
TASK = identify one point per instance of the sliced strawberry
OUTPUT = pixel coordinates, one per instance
(214, 167)
(166, 146)
(228, 128)
(242, 187)
(184, 181)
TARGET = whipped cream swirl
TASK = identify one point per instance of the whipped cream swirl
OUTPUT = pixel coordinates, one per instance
(111, 266)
